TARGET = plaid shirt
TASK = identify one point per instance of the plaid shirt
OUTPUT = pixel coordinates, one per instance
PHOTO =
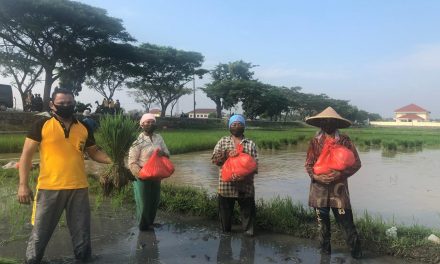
(336, 193)
(244, 188)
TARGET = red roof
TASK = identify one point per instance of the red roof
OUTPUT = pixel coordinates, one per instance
(411, 116)
(203, 111)
(411, 108)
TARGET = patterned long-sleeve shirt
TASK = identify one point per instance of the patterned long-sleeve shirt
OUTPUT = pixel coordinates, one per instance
(243, 188)
(141, 150)
(335, 194)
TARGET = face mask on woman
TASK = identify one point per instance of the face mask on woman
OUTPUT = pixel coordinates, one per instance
(237, 131)
(149, 129)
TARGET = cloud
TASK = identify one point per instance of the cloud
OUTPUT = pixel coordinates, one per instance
(423, 58)
(278, 72)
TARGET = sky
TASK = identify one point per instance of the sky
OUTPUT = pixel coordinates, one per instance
(379, 55)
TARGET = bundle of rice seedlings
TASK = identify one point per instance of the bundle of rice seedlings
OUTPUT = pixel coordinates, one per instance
(117, 133)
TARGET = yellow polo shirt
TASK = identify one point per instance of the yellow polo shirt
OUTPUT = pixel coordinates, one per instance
(61, 153)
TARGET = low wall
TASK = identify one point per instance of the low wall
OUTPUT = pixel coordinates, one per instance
(406, 124)
(17, 121)
(22, 121)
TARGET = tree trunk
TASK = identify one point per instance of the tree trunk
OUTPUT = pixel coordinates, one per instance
(163, 110)
(48, 81)
(23, 98)
(218, 108)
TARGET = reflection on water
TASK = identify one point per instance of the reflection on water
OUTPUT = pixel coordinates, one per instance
(404, 187)
(115, 239)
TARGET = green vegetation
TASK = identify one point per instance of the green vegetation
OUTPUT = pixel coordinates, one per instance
(15, 215)
(8, 261)
(189, 140)
(117, 134)
(393, 139)
(11, 143)
(183, 141)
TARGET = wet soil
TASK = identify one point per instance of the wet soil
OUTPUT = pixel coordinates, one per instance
(179, 239)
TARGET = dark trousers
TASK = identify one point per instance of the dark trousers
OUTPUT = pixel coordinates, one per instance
(247, 213)
(49, 205)
(344, 218)
(147, 198)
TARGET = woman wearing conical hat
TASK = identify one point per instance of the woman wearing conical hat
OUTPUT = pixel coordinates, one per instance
(330, 191)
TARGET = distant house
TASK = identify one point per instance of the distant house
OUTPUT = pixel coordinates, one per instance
(410, 113)
(155, 112)
(201, 113)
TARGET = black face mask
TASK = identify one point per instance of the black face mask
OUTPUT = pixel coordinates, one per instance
(150, 129)
(329, 128)
(64, 111)
(237, 131)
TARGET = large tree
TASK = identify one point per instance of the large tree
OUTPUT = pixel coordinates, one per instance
(21, 67)
(275, 102)
(223, 87)
(260, 99)
(165, 71)
(143, 97)
(57, 33)
(112, 65)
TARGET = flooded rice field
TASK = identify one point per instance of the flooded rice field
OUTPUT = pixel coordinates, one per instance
(403, 187)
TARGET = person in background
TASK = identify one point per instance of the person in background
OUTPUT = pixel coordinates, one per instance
(62, 182)
(39, 103)
(241, 191)
(330, 192)
(111, 106)
(146, 192)
(90, 122)
(117, 106)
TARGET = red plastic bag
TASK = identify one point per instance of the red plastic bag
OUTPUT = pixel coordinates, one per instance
(156, 168)
(333, 157)
(238, 167)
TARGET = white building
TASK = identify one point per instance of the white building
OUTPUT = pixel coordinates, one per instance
(202, 113)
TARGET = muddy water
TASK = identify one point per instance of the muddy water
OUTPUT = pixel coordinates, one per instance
(404, 187)
(115, 239)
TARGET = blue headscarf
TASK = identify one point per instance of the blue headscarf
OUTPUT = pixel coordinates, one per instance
(236, 118)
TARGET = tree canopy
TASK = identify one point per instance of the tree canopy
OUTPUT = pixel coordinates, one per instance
(58, 34)
(23, 69)
(226, 83)
(164, 72)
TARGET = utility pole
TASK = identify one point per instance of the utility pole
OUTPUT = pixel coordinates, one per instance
(194, 91)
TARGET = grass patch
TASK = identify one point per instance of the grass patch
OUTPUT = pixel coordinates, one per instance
(11, 143)
(8, 261)
(190, 140)
(14, 214)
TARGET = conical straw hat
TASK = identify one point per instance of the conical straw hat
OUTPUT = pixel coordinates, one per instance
(328, 113)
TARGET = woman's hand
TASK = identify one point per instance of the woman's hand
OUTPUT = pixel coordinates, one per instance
(322, 178)
(162, 153)
(328, 178)
(335, 175)
(232, 153)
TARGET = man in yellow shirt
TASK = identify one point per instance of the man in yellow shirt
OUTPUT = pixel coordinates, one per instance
(62, 182)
